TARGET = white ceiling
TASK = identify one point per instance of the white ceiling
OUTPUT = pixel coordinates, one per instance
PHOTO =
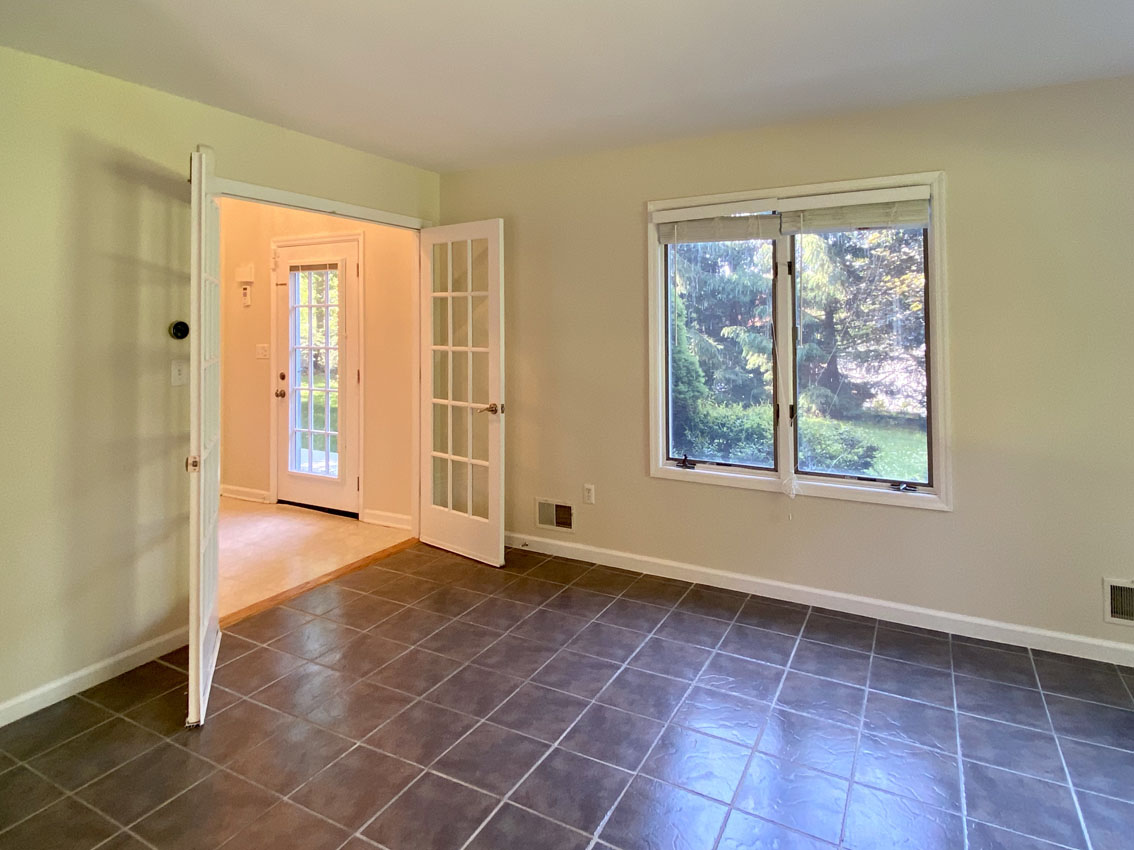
(451, 85)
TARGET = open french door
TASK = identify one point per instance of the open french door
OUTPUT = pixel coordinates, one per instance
(462, 398)
(203, 462)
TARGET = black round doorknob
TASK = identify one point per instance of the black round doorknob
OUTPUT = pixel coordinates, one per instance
(179, 329)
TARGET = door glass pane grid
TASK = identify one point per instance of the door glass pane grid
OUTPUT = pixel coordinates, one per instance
(315, 357)
(459, 335)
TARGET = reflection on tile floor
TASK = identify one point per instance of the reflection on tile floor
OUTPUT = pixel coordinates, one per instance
(429, 702)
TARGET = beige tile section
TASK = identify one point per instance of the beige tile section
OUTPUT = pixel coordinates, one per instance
(267, 549)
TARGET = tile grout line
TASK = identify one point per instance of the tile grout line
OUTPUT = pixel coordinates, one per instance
(217, 766)
(506, 798)
(223, 767)
(902, 697)
(73, 795)
(858, 738)
(228, 770)
(665, 724)
(836, 615)
(1062, 759)
(960, 751)
(1127, 682)
(756, 744)
(481, 721)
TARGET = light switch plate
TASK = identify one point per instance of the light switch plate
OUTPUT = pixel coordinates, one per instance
(262, 351)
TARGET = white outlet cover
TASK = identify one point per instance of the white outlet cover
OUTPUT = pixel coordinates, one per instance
(262, 351)
(178, 373)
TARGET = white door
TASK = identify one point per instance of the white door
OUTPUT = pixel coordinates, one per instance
(318, 373)
(462, 399)
(203, 462)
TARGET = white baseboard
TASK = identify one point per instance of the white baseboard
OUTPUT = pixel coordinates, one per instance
(911, 615)
(388, 519)
(246, 493)
(94, 674)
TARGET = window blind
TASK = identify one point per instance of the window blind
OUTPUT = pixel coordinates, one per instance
(900, 212)
(827, 219)
(729, 228)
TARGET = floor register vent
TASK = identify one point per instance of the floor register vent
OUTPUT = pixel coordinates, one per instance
(1119, 601)
(554, 515)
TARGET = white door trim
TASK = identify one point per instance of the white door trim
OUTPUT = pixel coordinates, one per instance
(359, 238)
(240, 190)
(223, 187)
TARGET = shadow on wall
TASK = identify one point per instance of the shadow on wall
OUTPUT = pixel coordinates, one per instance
(124, 502)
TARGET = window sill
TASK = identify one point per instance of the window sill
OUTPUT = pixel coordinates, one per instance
(771, 481)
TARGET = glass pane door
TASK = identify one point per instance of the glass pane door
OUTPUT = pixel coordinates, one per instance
(460, 370)
(313, 352)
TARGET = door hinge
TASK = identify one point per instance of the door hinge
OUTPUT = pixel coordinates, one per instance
(193, 463)
(791, 413)
(359, 376)
(357, 484)
(358, 268)
(776, 412)
(791, 268)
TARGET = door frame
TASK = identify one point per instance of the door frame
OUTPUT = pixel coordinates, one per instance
(358, 237)
(221, 187)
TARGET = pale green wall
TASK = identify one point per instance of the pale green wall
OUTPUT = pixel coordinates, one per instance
(94, 230)
(1040, 215)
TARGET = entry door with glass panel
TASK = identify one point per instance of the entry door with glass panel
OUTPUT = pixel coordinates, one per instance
(317, 374)
(462, 414)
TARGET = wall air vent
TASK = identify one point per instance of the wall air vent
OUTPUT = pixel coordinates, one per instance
(1118, 597)
(554, 515)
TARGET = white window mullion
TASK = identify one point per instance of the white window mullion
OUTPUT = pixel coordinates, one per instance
(785, 359)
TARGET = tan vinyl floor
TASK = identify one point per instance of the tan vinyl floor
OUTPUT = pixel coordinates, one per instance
(267, 549)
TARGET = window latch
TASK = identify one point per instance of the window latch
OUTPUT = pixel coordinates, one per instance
(903, 488)
(686, 463)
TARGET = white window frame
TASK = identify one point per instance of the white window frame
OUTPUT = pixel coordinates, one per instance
(785, 480)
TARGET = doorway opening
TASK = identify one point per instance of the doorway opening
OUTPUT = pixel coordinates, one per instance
(446, 521)
(318, 393)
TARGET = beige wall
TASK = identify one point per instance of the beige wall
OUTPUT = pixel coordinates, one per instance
(390, 269)
(94, 232)
(1040, 212)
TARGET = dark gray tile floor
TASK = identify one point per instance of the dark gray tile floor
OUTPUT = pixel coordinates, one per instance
(429, 703)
